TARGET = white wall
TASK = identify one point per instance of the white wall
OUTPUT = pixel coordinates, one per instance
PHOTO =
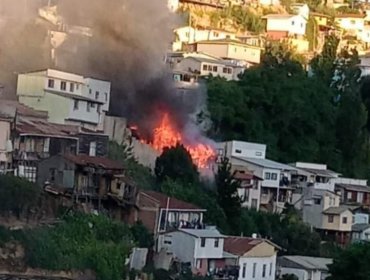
(209, 250)
(183, 246)
(270, 182)
(245, 149)
(293, 25)
(356, 24)
(250, 261)
(102, 88)
(300, 273)
(82, 114)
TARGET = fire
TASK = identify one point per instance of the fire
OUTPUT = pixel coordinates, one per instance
(165, 135)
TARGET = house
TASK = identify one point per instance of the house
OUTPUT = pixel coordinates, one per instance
(276, 189)
(353, 23)
(361, 232)
(230, 49)
(189, 35)
(353, 191)
(322, 210)
(250, 187)
(304, 267)
(300, 9)
(68, 98)
(279, 26)
(7, 119)
(88, 178)
(202, 248)
(206, 66)
(256, 257)
(314, 175)
(161, 213)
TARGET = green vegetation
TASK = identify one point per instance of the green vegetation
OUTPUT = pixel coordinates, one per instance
(352, 263)
(300, 117)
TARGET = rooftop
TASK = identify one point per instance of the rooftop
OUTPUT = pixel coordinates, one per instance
(277, 16)
(227, 41)
(356, 188)
(337, 210)
(267, 163)
(99, 162)
(22, 110)
(203, 233)
(350, 16)
(243, 175)
(310, 263)
(240, 245)
(173, 203)
(45, 128)
(75, 96)
(360, 227)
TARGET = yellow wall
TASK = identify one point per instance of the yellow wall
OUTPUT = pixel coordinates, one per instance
(261, 250)
(337, 224)
(323, 21)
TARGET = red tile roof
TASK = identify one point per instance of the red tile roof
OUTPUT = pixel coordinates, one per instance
(101, 162)
(174, 204)
(246, 176)
(240, 245)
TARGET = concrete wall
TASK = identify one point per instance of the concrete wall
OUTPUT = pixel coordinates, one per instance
(337, 223)
(244, 149)
(256, 265)
(293, 25)
(209, 251)
(216, 49)
(115, 128)
(102, 87)
(183, 247)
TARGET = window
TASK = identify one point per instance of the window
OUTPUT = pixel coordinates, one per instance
(353, 22)
(229, 70)
(258, 154)
(273, 176)
(267, 175)
(317, 201)
(215, 34)
(214, 69)
(88, 106)
(349, 195)
(63, 85)
(77, 86)
(106, 97)
(292, 22)
(264, 271)
(202, 242)
(51, 83)
(75, 105)
(330, 219)
(235, 49)
(90, 91)
(52, 172)
(187, 34)
(224, 70)
(344, 220)
(270, 269)
(205, 67)
(46, 145)
(98, 108)
(237, 151)
(217, 242)
(254, 270)
(92, 151)
(244, 270)
(97, 95)
(71, 87)
(92, 105)
(209, 67)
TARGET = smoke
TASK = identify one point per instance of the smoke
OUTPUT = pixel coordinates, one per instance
(129, 41)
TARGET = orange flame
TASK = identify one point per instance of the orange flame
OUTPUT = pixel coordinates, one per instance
(165, 135)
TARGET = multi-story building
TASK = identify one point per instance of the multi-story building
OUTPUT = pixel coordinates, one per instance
(68, 98)
(281, 26)
(255, 257)
(322, 210)
(353, 191)
(276, 188)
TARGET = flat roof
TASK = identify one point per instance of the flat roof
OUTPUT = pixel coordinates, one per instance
(203, 233)
(310, 263)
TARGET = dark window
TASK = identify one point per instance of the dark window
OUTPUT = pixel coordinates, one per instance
(106, 97)
(88, 106)
(254, 270)
(244, 270)
(75, 106)
(51, 83)
(97, 95)
(330, 219)
(317, 201)
(224, 70)
(267, 175)
(264, 271)
(214, 69)
(209, 67)
(63, 85)
(237, 151)
(53, 172)
(92, 105)
(344, 220)
(71, 87)
(229, 70)
(77, 86)
(202, 242)
(273, 176)
(216, 242)
(90, 91)
(205, 67)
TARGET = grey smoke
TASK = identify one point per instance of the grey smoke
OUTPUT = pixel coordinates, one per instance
(128, 46)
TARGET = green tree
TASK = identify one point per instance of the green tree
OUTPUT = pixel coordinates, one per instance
(352, 263)
(142, 236)
(176, 163)
(227, 194)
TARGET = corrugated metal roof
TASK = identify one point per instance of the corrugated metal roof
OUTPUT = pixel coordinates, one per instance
(100, 162)
(200, 233)
(357, 188)
(267, 163)
(337, 210)
(310, 263)
(360, 227)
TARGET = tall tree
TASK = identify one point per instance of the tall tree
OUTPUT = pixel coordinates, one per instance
(176, 163)
(227, 194)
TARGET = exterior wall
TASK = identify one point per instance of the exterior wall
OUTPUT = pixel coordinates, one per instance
(243, 149)
(300, 273)
(364, 235)
(356, 24)
(183, 247)
(216, 49)
(173, 5)
(252, 194)
(321, 20)
(101, 141)
(269, 2)
(268, 173)
(337, 224)
(257, 170)
(190, 35)
(277, 35)
(103, 88)
(115, 128)
(209, 251)
(86, 112)
(144, 154)
(295, 25)
(258, 263)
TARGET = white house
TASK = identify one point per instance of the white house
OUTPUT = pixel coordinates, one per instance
(68, 98)
(256, 257)
(250, 187)
(305, 268)
(276, 189)
(203, 66)
(280, 26)
(190, 35)
(361, 232)
(203, 248)
(354, 23)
